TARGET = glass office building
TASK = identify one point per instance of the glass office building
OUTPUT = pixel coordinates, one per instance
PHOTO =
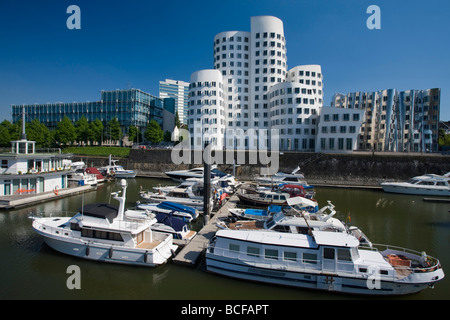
(179, 90)
(132, 107)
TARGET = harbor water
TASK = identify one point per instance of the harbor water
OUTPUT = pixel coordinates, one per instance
(29, 269)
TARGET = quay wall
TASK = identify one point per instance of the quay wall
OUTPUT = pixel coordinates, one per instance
(357, 169)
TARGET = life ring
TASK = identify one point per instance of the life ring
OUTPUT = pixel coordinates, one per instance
(55, 191)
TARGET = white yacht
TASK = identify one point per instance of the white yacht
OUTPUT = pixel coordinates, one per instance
(188, 194)
(182, 175)
(297, 220)
(103, 232)
(117, 171)
(427, 185)
(173, 209)
(166, 223)
(331, 261)
(81, 176)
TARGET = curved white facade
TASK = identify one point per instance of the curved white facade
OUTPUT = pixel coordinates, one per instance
(232, 59)
(259, 92)
(268, 66)
(206, 109)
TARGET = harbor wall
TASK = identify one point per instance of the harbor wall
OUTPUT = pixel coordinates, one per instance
(357, 169)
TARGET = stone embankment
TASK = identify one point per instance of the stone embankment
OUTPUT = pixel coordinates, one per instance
(360, 169)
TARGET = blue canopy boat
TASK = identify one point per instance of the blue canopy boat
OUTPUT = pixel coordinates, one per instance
(255, 214)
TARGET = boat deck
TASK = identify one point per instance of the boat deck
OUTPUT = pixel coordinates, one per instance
(246, 225)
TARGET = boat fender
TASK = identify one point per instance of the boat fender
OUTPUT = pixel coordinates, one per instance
(88, 249)
(55, 191)
(111, 251)
(146, 256)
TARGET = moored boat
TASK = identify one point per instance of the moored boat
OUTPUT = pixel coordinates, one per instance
(102, 232)
(295, 177)
(427, 185)
(331, 261)
(176, 210)
(117, 171)
(266, 197)
(166, 223)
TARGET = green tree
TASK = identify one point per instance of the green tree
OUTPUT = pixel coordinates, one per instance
(37, 131)
(114, 131)
(83, 130)
(167, 136)
(134, 134)
(65, 131)
(154, 133)
(96, 130)
(444, 139)
(5, 133)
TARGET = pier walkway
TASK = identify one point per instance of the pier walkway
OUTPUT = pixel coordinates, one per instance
(190, 254)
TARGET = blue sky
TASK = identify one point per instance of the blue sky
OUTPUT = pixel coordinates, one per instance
(136, 44)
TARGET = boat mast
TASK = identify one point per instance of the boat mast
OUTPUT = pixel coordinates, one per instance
(24, 135)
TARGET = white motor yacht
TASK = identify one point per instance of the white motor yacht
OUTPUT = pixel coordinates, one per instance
(427, 185)
(295, 177)
(183, 175)
(81, 176)
(102, 232)
(117, 171)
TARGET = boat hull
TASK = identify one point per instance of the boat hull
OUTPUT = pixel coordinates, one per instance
(415, 190)
(125, 175)
(320, 281)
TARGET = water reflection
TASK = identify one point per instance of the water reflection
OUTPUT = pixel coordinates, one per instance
(31, 270)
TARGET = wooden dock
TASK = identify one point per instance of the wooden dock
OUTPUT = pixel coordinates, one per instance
(190, 254)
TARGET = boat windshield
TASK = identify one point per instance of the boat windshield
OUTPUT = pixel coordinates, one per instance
(270, 222)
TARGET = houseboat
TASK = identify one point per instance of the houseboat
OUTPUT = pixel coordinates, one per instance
(103, 232)
(27, 170)
(323, 260)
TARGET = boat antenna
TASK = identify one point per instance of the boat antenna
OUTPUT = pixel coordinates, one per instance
(82, 205)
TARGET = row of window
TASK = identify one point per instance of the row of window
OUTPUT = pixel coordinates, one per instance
(231, 39)
(305, 73)
(342, 129)
(342, 144)
(345, 117)
(272, 35)
(341, 254)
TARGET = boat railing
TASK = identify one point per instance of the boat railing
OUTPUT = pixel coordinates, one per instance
(420, 262)
(345, 268)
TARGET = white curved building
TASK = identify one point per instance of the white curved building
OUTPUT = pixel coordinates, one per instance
(206, 109)
(258, 90)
